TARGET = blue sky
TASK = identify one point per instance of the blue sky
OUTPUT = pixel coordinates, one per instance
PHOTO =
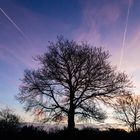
(99, 22)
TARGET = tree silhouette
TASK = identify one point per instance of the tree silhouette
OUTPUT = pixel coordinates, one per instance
(127, 109)
(8, 119)
(71, 80)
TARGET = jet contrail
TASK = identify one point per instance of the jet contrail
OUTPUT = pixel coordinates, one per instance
(124, 35)
(14, 24)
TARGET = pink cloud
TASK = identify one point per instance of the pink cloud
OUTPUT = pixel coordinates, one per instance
(109, 13)
(94, 18)
(127, 1)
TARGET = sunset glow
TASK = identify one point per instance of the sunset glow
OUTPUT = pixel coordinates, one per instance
(26, 26)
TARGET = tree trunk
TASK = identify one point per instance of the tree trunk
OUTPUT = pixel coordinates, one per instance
(71, 113)
(135, 126)
(71, 122)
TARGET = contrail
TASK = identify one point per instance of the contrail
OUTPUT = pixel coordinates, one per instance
(124, 35)
(14, 24)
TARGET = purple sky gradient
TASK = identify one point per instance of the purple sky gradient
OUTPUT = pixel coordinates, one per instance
(99, 22)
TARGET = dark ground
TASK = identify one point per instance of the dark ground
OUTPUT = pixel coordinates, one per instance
(30, 132)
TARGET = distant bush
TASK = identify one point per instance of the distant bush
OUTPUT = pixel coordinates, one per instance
(9, 122)
(9, 117)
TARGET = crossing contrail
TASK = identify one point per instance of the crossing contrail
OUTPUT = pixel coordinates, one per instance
(14, 24)
(124, 34)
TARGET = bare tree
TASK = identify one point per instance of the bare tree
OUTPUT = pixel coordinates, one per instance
(8, 117)
(71, 80)
(127, 110)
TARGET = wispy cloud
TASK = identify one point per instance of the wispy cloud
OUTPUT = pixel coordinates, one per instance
(95, 19)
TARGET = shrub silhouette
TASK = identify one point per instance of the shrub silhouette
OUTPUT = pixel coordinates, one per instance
(9, 122)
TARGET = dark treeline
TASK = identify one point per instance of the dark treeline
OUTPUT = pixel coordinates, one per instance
(31, 132)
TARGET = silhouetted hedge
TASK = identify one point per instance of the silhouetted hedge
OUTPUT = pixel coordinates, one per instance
(31, 132)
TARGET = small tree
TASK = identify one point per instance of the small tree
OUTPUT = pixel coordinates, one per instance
(127, 110)
(8, 118)
(72, 78)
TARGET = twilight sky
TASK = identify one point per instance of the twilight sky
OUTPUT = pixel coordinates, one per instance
(35, 22)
